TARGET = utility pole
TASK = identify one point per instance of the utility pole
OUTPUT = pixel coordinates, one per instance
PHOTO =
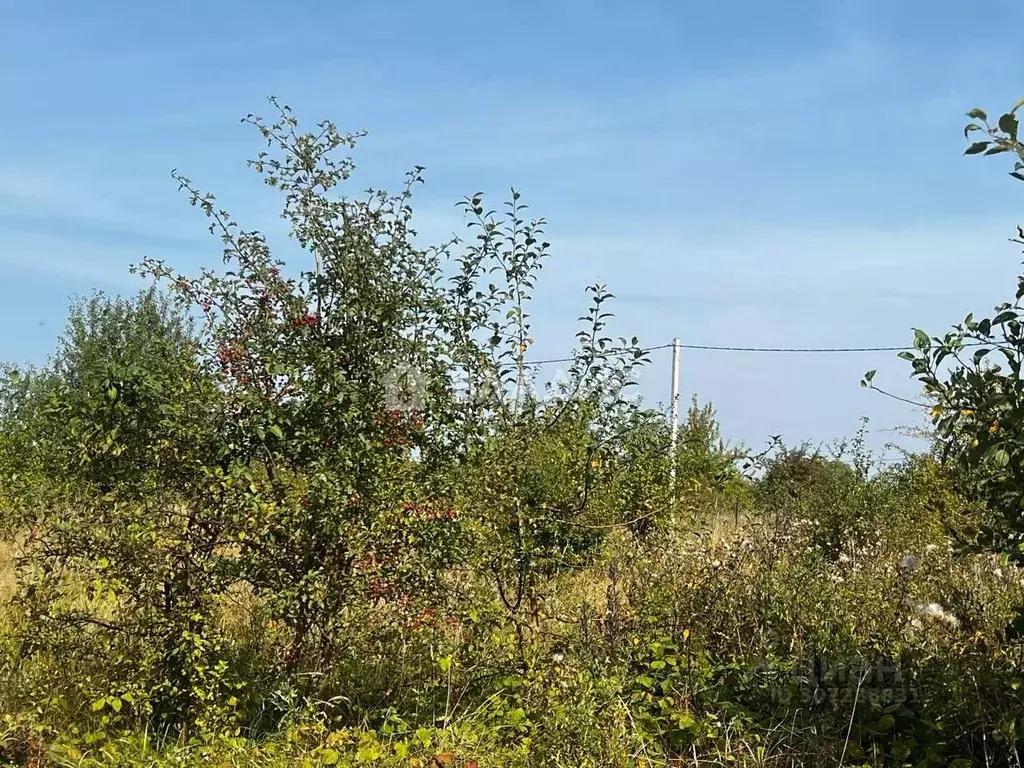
(674, 407)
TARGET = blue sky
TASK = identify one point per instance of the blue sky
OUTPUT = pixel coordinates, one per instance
(744, 173)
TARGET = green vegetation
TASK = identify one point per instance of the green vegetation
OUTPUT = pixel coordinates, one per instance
(275, 516)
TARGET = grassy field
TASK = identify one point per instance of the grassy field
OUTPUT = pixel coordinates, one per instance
(710, 643)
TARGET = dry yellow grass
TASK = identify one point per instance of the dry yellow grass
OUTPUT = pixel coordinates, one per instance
(7, 575)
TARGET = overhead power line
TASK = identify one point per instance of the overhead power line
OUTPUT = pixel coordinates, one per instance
(794, 349)
(676, 346)
(718, 348)
(608, 354)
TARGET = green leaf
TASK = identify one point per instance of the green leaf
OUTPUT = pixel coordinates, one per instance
(1008, 125)
(275, 430)
(645, 681)
(921, 340)
(977, 148)
(886, 722)
(977, 114)
(1000, 457)
(685, 720)
(99, 704)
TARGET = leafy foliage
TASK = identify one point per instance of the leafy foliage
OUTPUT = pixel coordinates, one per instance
(279, 514)
(307, 443)
(973, 375)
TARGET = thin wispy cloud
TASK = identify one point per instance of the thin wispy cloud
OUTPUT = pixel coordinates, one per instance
(26, 256)
(780, 176)
(41, 190)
